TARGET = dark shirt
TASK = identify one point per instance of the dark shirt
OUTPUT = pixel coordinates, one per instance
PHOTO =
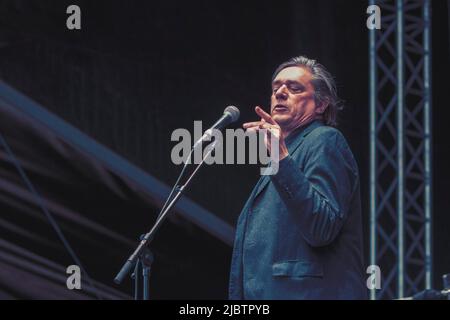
(299, 236)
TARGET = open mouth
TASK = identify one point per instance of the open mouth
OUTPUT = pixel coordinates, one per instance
(280, 108)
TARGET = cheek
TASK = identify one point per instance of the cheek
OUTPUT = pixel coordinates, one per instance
(308, 104)
(304, 106)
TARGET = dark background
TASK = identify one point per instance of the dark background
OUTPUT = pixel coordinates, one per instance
(137, 70)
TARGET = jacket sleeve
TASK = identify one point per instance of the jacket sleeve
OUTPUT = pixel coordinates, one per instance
(320, 192)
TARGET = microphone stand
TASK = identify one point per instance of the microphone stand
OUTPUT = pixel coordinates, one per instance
(139, 256)
(144, 263)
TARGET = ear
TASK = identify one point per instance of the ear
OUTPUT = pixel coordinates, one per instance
(320, 109)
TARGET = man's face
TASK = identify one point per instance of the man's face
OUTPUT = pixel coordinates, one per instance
(292, 101)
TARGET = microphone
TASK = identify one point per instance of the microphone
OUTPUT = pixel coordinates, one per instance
(230, 115)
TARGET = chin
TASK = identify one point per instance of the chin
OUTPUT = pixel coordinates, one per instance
(281, 119)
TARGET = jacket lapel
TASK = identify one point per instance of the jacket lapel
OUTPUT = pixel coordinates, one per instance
(291, 147)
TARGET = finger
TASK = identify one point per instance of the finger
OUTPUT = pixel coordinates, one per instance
(270, 130)
(268, 126)
(262, 125)
(252, 129)
(251, 124)
(265, 126)
(260, 112)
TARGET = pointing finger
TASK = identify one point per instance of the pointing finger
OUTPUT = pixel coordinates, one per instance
(264, 115)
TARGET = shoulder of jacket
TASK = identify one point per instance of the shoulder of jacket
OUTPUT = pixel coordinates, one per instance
(325, 133)
(328, 137)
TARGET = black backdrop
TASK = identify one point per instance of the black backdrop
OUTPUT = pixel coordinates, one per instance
(137, 70)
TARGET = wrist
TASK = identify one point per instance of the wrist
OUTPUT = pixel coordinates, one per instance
(283, 155)
(284, 152)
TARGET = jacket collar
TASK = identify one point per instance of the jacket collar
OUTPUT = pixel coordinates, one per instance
(296, 137)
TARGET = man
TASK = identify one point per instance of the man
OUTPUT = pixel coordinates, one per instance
(299, 235)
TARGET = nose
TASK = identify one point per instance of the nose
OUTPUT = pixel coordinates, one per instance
(281, 93)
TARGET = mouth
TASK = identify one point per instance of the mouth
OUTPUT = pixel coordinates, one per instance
(279, 108)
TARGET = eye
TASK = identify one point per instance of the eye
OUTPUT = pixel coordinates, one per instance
(295, 88)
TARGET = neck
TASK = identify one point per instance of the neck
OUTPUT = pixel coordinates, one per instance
(287, 131)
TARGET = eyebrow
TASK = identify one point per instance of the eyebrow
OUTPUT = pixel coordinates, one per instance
(288, 82)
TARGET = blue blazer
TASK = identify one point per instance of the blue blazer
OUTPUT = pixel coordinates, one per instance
(299, 236)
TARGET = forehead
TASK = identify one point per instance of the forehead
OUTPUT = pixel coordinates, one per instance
(300, 74)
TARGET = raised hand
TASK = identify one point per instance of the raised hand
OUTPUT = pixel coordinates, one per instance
(273, 130)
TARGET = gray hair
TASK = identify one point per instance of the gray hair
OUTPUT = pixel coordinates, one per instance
(323, 83)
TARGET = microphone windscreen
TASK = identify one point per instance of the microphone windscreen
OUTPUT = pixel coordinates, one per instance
(233, 111)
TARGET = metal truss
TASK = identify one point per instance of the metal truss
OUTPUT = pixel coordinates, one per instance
(400, 147)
